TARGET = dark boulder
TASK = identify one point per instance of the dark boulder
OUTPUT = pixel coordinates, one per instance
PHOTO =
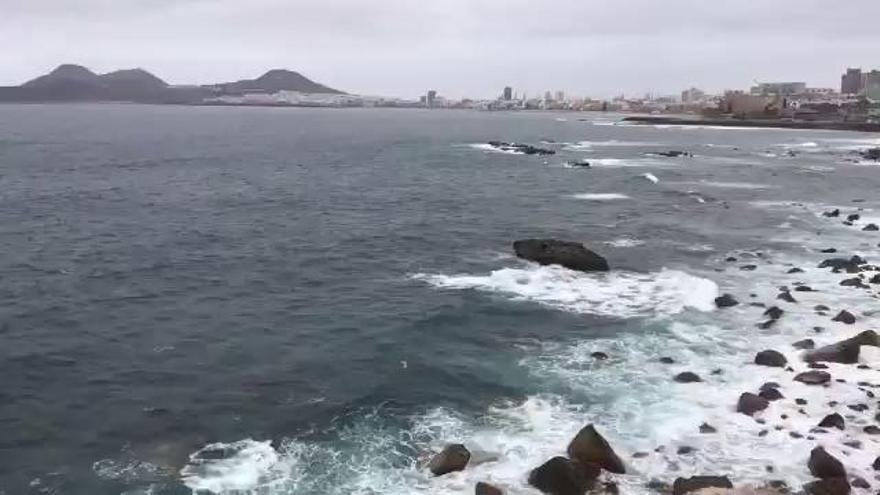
(559, 476)
(844, 317)
(672, 153)
(830, 486)
(861, 483)
(589, 447)
(833, 421)
(872, 430)
(804, 288)
(601, 356)
(774, 313)
(795, 270)
(871, 227)
(487, 489)
(726, 301)
(852, 217)
(845, 351)
(832, 213)
(829, 250)
(452, 458)
(853, 282)
(805, 344)
(706, 429)
(687, 377)
(771, 394)
(824, 465)
(787, 297)
(523, 149)
(667, 360)
(750, 403)
(771, 358)
(813, 377)
(572, 255)
(696, 483)
(876, 464)
(748, 268)
(875, 279)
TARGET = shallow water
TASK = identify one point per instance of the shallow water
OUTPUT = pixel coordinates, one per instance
(295, 301)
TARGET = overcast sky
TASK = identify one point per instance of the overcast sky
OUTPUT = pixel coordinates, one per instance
(459, 47)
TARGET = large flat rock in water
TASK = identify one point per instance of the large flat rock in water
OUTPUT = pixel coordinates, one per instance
(571, 255)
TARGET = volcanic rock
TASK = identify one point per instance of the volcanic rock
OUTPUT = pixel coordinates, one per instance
(771, 358)
(572, 255)
(824, 465)
(452, 458)
(589, 447)
(750, 403)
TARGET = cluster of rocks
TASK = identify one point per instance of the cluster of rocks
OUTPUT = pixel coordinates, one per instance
(851, 219)
(524, 149)
(871, 154)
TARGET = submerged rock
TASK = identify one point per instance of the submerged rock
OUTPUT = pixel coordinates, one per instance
(672, 153)
(805, 344)
(571, 255)
(687, 377)
(824, 465)
(706, 429)
(771, 394)
(787, 297)
(842, 264)
(774, 313)
(578, 163)
(871, 227)
(771, 358)
(559, 476)
(750, 403)
(813, 377)
(832, 213)
(487, 489)
(452, 458)
(589, 447)
(846, 351)
(682, 486)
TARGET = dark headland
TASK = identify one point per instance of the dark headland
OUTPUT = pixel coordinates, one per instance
(735, 122)
(75, 83)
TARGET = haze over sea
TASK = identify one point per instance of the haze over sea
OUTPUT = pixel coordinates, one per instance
(299, 301)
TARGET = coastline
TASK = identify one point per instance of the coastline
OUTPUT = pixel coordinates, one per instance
(763, 123)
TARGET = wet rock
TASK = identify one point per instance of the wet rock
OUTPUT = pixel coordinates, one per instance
(750, 403)
(832, 213)
(578, 163)
(672, 153)
(452, 458)
(860, 483)
(858, 407)
(853, 444)
(821, 307)
(524, 149)
(787, 297)
(876, 464)
(640, 455)
(871, 227)
(853, 282)
(764, 325)
(487, 489)
(559, 476)
(589, 447)
(667, 360)
(830, 486)
(872, 430)
(844, 317)
(853, 217)
(771, 358)
(818, 366)
(805, 344)
(659, 486)
(687, 377)
(684, 450)
(730, 259)
(846, 351)
(771, 394)
(814, 377)
(572, 255)
(832, 421)
(695, 483)
(774, 313)
(824, 465)
(875, 279)
(800, 402)
(726, 301)
(706, 429)
(804, 288)
(601, 356)
(828, 251)
(795, 270)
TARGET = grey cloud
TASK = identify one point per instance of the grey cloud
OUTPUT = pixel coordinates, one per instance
(460, 47)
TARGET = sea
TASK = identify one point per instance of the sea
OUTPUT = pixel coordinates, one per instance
(267, 301)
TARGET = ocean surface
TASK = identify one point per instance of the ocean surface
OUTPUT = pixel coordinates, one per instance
(305, 301)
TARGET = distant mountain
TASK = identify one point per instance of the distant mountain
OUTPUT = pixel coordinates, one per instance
(71, 82)
(277, 80)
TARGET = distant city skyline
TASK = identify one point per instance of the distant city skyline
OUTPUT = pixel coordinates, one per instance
(460, 48)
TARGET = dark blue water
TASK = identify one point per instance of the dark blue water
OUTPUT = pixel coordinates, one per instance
(173, 277)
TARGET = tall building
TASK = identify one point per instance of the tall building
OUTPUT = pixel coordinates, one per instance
(560, 96)
(872, 85)
(508, 93)
(692, 95)
(429, 99)
(851, 82)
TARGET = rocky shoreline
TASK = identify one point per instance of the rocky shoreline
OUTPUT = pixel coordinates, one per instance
(591, 465)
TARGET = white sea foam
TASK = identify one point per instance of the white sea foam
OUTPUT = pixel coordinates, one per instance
(600, 196)
(612, 143)
(617, 293)
(625, 242)
(228, 467)
(651, 177)
(492, 149)
(736, 185)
